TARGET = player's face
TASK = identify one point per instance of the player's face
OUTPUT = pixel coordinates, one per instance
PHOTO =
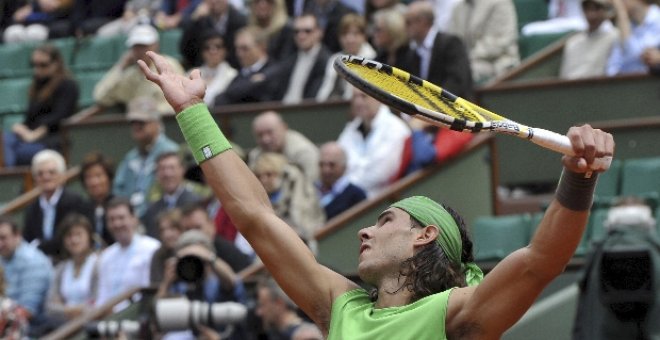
(385, 245)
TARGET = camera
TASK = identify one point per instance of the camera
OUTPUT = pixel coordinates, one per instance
(190, 268)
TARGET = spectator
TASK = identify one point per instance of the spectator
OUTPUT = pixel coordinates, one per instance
(169, 176)
(216, 15)
(435, 56)
(307, 66)
(563, 16)
(489, 30)
(52, 97)
(43, 217)
(373, 142)
(373, 6)
(125, 264)
(258, 78)
(175, 13)
(27, 271)
(389, 37)
(216, 71)
(14, 317)
(124, 82)
(73, 289)
(336, 191)
(38, 21)
(279, 315)
(89, 15)
(353, 40)
(270, 17)
(443, 10)
(96, 174)
(307, 331)
(169, 230)
(135, 173)
(328, 14)
(638, 22)
(273, 135)
(429, 144)
(651, 58)
(291, 194)
(195, 217)
(136, 12)
(585, 53)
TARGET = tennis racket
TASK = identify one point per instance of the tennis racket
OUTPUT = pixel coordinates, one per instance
(427, 101)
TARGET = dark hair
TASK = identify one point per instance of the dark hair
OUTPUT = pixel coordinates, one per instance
(430, 271)
(168, 154)
(120, 201)
(70, 221)
(60, 75)
(212, 34)
(96, 158)
(6, 219)
(189, 209)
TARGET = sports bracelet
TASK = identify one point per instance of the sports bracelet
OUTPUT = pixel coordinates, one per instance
(202, 133)
(576, 192)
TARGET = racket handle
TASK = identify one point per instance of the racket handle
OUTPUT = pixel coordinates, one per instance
(561, 143)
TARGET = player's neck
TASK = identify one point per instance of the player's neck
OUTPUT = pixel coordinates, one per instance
(392, 293)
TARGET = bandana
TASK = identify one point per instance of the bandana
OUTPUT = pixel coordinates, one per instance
(429, 212)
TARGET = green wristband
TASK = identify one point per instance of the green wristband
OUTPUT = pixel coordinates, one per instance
(202, 133)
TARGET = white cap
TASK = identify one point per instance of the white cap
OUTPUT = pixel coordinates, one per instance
(142, 35)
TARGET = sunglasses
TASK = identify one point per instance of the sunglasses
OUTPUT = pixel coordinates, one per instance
(303, 30)
(42, 64)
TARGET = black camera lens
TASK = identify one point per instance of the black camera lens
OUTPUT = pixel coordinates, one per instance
(190, 268)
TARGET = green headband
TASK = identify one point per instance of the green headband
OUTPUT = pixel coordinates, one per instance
(429, 212)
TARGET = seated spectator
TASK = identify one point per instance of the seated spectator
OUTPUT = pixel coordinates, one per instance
(278, 314)
(585, 53)
(169, 176)
(651, 58)
(216, 71)
(336, 191)
(196, 217)
(125, 82)
(89, 15)
(328, 14)
(126, 263)
(489, 30)
(96, 174)
(305, 69)
(27, 272)
(373, 142)
(136, 172)
(563, 16)
(273, 135)
(216, 15)
(43, 217)
(52, 97)
(136, 12)
(73, 289)
(174, 13)
(307, 331)
(429, 144)
(638, 22)
(38, 21)
(258, 77)
(270, 17)
(389, 36)
(292, 195)
(353, 40)
(14, 317)
(169, 230)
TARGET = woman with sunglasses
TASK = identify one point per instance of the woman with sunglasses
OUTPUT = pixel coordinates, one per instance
(52, 97)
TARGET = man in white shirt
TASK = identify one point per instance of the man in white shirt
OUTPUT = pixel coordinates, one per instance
(126, 263)
(373, 142)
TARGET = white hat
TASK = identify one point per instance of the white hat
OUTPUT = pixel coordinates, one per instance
(142, 35)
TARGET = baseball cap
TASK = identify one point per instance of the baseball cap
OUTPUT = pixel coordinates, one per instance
(143, 109)
(142, 35)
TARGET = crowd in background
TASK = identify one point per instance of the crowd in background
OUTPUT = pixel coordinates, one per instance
(141, 215)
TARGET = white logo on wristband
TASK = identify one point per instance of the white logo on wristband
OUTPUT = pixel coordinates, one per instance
(207, 152)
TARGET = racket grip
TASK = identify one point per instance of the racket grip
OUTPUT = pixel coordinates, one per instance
(561, 143)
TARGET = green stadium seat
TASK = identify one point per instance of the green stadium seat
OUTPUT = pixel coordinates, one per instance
(530, 10)
(495, 237)
(640, 176)
(609, 182)
(86, 83)
(66, 47)
(169, 42)
(15, 60)
(596, 225)
(97, 53)
(14, 94)
(528, 45)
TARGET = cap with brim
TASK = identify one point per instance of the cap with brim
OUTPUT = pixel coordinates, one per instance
(142, 35)
(191, 237)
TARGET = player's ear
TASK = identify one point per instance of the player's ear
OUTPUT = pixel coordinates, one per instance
(427, 235)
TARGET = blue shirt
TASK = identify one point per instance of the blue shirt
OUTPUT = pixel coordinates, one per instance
(625, 56)
(28, 274)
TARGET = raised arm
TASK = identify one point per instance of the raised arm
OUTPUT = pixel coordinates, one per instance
(313, 287)
(510, 289)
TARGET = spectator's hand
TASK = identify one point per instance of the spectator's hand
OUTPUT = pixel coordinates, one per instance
(207, 333)
(196, 250)
(202, 10)
(180, 91)
(22, 13)
(651, 57)
(588, 144)
(49, 6)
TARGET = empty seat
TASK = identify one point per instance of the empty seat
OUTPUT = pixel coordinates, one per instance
(14, 94)
(609, 182)
(97, 53)
(15, 60)
(86, 83)
(530, 10)
(169, 42)
(495, 237)
(640, 176)
(528, 45)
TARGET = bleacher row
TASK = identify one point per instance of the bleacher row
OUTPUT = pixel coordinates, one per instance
(497, 236)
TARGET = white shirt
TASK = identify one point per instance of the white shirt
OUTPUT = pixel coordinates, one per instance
(78, 290)
(217, 79)
(424, 51)
(300, 74)
(374, 160)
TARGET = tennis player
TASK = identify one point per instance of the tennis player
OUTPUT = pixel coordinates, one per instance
(417, 255)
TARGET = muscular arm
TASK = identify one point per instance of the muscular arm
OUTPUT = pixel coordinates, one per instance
(310, 285)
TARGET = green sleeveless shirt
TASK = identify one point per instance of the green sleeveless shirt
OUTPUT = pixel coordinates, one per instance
(354, 317)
